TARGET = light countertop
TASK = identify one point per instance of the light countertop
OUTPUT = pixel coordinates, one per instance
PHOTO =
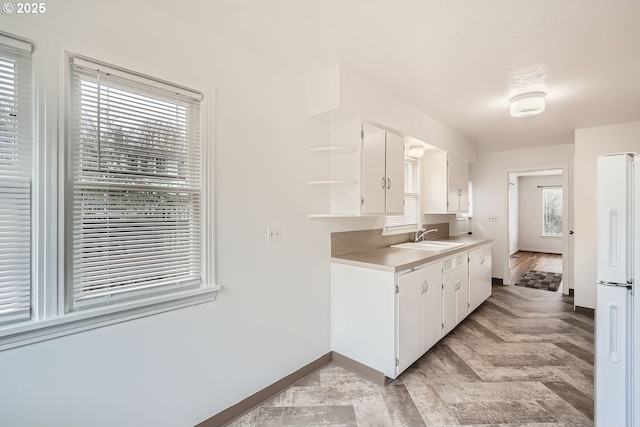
(397, 259)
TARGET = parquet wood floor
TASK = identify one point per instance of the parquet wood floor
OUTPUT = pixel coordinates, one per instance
(523, 358)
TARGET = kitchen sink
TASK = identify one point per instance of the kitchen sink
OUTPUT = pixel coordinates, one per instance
(430, 245)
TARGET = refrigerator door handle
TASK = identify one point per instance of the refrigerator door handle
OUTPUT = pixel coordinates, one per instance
(614, 326)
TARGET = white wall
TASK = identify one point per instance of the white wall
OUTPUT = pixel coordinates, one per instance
(339, 93)
(490, 180)
(591, 143)
(513, 214)
(272, 316)
(530, 215)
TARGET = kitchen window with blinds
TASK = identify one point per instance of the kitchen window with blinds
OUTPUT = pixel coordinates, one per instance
(17, 136)
(134, 207)
(409, 221)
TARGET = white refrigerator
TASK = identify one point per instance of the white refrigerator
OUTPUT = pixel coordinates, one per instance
(617, 314)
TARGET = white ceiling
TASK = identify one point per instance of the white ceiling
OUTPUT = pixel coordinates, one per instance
(459, 61)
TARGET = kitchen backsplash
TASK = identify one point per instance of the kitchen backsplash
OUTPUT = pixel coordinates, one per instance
(347, 242)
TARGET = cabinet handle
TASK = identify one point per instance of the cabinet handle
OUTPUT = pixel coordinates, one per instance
(388, 183)
(481, 260)
(383, 182)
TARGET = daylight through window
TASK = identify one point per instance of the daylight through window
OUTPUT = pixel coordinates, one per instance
(16, 173)
(552, 212)
(409, 220)
(134, 188)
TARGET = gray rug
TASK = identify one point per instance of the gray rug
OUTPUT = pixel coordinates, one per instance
(540, 280)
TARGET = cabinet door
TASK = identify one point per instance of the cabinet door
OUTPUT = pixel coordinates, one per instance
(394, 167)
(432, 283)
(434, 182)
(479, 276)
(463, 183)
(453, 188)
(449, 301)
(374, 182)
(462, 296)
(410, 319)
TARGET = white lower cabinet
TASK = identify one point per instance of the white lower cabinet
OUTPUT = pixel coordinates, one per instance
(455, 290)
(479, 275)
(449, 301)
(419, 313)
(462, 310)
(388, 320)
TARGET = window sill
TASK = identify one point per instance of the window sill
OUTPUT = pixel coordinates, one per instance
(399, 231)
(33, 331)
(546, 236)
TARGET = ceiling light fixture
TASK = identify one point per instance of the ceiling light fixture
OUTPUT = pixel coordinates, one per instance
(415, 151)
(527, 104)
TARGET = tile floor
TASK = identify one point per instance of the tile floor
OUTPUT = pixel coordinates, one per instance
(523, 358)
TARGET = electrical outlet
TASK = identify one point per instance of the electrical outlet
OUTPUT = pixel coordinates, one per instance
(493, 219)
(274, 234)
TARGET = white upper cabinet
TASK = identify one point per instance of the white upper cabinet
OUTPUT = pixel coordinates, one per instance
(394, 171)
(445, 183)
(366, 175)
(374, 182)
(457, 184)
(382, 171)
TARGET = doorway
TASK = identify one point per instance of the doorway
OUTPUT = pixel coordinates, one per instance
(538, 223)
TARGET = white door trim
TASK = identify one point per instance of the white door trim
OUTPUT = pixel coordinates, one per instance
(567, 222)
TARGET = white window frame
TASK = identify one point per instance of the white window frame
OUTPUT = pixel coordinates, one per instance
(50, 316)
(389, 229)
(544, 210)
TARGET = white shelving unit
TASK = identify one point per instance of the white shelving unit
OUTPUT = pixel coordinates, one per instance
(364, 170)
(338, 156)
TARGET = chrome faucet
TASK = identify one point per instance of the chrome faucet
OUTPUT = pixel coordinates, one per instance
(420, 234)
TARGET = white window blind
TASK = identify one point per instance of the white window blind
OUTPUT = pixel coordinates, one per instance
(409, 220)
(552, 212)
(16, 170)
(134, 187)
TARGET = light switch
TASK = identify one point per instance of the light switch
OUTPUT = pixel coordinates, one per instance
(274, 234)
